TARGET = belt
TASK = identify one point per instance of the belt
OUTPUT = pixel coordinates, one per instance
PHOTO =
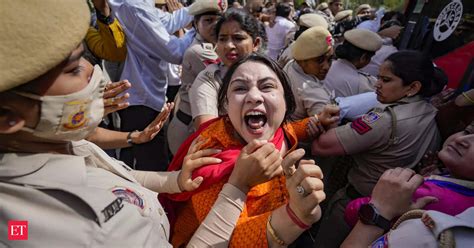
(183, 117)
(352, 192)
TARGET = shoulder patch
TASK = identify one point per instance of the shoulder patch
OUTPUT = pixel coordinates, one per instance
(370, 117)
(129, 196)
(360, 126)
(208, 46)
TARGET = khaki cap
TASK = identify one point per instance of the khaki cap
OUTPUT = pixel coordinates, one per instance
(362, 7)
(364, 39)
(35, 42)
(204, 6)
(312, 43)
(160, 1)
(341, 15)
(312, 20)
(322, 6)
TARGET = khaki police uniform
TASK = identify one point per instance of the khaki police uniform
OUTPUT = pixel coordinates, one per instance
(305, 21)
(84, 200)
(285, 56)
(311, 95)
(346, 80)
(199, 55)
(204, 91)
(389, 136)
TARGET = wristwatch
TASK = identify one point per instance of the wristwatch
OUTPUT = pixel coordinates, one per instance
(129, 137)
(369, 215)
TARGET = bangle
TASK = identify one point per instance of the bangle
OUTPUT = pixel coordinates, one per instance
(295, 218)
(273, 233)
(467, 98)
(129, 138)
(317, 118)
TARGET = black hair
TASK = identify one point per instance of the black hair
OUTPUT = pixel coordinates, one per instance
(300, 31)
(411, 66)
(283, 10)
(197, 17)
(282, 76)
(350, 52)
(393, 15)
(247, 22)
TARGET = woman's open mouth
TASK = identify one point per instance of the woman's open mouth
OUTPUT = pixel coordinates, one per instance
(232, 56)
(255, 121)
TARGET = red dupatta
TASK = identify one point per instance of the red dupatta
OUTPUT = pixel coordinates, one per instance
(219, 134)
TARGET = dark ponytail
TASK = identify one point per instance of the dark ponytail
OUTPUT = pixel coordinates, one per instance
(413, 66)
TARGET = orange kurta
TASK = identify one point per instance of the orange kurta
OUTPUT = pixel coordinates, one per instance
(262, 199)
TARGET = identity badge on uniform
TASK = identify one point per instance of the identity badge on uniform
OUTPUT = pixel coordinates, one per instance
(129, 196)
(370, 117)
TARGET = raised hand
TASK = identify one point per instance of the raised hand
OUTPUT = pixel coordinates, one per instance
(258, 162)
(154, 127)
(113, 102)
(193, 160)
(305, 186)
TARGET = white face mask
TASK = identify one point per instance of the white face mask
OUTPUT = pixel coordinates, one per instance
(71, 117)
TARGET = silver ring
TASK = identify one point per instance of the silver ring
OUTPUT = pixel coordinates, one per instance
(300, 190)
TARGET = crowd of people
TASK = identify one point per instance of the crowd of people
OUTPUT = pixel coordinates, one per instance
(215, 123)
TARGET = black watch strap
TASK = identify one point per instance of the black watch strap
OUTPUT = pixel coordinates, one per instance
(129, 138)
(383, 223)
(369, 215)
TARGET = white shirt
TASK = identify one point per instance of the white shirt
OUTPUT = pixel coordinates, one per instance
(150, 47)
(277, 34)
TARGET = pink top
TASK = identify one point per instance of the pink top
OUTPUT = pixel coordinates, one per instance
(454, 196)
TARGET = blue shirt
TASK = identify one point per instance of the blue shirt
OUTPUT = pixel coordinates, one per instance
(150, 47)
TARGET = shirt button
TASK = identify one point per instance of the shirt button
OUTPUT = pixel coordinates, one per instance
(160, 211)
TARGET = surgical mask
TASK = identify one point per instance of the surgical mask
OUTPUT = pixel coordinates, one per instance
(70, 117)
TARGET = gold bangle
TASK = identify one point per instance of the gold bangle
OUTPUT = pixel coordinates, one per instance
(273, 233)
(317, 118)
(467, 98)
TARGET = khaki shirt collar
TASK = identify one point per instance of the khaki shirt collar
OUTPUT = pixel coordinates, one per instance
(404, 100)
(300, 71)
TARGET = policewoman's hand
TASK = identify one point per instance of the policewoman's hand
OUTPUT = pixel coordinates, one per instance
(305, 186)
(258, 162)
(329, 116)
(193, 160)
(112, 101)
(154, 127)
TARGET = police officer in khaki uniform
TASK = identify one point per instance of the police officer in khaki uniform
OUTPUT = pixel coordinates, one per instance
(203, 93)
(396, 133)
(68, 190)
(344, 77)
(304, 22)
(200, 54)
(313, 53)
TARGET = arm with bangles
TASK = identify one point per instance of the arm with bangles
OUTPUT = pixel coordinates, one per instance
(258, 162)
(281, 228)
(310, 128)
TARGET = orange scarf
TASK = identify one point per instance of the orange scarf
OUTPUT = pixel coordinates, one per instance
(261, 199)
